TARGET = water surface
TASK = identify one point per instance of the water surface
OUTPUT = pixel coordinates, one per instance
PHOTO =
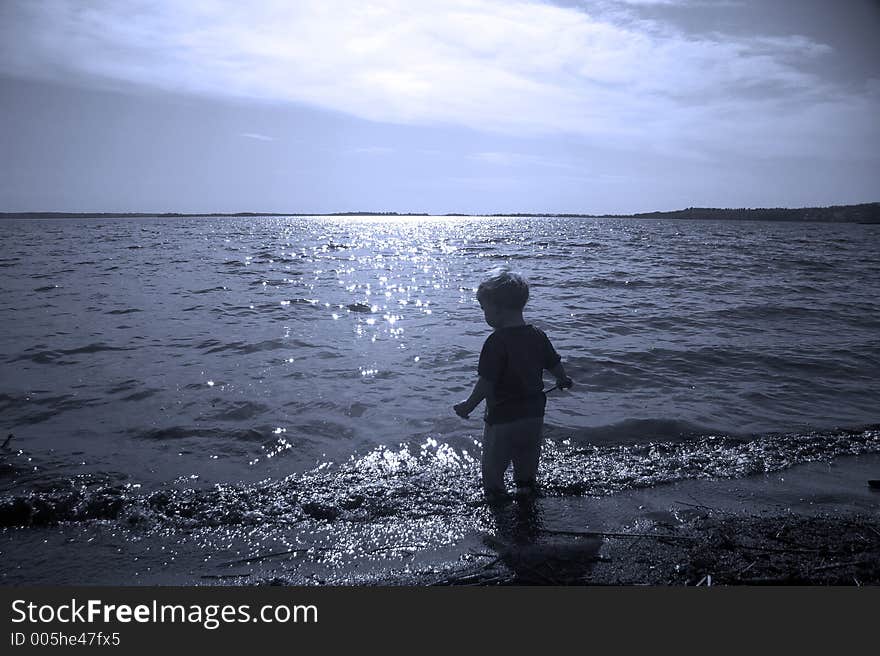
(145, 359)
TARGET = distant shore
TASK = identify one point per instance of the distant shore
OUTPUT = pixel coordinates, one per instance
(862, 213)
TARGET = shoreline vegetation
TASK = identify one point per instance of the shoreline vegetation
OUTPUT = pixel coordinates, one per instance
(861, 213)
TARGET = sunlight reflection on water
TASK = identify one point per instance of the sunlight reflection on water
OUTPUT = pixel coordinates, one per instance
(200, 336)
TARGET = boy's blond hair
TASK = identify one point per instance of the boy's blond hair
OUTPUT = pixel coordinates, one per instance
(504, 288)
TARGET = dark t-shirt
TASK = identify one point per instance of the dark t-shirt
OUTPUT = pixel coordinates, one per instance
(513, 359)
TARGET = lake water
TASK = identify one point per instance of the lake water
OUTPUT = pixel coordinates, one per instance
(312, 362)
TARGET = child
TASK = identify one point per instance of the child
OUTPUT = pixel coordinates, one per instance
(510, 369)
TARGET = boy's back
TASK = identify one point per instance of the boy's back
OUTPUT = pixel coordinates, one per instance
(513, 359)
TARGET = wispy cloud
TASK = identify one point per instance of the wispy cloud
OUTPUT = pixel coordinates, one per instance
(523, 68)
(676, 3)
(520, 159)
(653, 2)
(256, 136)
(372, 150)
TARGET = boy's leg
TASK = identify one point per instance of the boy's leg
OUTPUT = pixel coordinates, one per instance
(526, 452)
(495, 459)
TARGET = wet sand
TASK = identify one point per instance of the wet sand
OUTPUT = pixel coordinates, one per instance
(816, 523)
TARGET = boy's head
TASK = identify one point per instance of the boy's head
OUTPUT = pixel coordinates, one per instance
(503, 292)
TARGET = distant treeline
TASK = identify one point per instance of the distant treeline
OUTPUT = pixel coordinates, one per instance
(863, 213)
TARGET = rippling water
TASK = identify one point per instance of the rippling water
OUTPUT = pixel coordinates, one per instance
(158, 354)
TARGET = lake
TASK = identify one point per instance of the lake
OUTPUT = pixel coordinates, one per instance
(222, 363)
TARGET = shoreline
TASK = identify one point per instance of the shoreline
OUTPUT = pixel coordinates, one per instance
(858, 213)
(816, 523)
(714, 549)
(813, 524)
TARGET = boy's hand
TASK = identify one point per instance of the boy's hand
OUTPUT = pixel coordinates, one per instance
(462, 409)
(565, 382)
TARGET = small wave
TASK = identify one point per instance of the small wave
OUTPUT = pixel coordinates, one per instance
(812, 264)
(238, 411)
(44, 357)
(769, 311)
(8, 401)
(173, 433)
(244, 347)
(429, 480)
(614, 283)
(140, 396)
(124, 386)
(56, 356)
(601, 470)
(511, 256)
(640, 431)
(95, 347)
(208, 290)
(37, 409)
(269, 282)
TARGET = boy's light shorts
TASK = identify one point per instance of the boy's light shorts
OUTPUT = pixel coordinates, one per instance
(517, 442)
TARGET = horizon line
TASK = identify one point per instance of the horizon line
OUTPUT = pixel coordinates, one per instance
(428, 214)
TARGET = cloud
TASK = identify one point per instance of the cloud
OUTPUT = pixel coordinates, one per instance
(520, 160)
(654, 2)
(372, 150)
(256, 136)
(650, 4)
(525, 68)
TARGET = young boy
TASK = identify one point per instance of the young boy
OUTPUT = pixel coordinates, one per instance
(510, 370)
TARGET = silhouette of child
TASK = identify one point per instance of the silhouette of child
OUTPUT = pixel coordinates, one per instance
(510, 370)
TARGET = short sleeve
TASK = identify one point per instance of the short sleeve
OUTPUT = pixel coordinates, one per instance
(492, 359)
(551, 357)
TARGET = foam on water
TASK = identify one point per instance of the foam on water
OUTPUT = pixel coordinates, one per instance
(431, 480)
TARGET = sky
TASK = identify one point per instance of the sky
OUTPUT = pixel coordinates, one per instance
(441, 106)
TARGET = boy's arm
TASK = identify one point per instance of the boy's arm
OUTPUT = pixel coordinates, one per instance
(561, 379)
(481, 390)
